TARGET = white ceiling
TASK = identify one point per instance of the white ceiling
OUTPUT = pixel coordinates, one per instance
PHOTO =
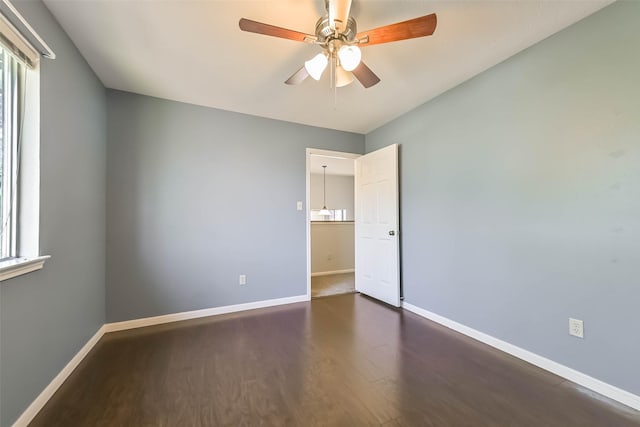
(335, 165)
(194, 52)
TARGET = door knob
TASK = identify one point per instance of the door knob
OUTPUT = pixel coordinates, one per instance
(392, 233)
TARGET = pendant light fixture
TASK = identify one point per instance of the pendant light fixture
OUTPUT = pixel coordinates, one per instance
(324, 211)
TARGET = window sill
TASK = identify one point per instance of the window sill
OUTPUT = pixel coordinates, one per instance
(18, 266)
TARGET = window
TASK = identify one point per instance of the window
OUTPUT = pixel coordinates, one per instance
(12, 73)
(20, 52)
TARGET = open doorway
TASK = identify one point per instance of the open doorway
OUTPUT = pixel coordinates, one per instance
(330, 223)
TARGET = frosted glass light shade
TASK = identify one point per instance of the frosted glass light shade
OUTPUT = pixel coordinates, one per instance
(343, 77)
(350, 57)
(324, 212)
(316, 65)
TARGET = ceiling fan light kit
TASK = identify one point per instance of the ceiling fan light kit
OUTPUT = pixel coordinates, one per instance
(336, 33)
(349, 56)
(343, 77)
(316, 65)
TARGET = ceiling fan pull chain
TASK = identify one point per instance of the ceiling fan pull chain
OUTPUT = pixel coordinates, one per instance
(335, 82)
(332, 74)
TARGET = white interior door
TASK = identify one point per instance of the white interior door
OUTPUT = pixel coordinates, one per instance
(376, 225)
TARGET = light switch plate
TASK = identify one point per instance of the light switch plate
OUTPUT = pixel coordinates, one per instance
(299, 206)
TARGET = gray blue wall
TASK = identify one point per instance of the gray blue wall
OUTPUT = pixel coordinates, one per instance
(198, 196)
(48, 315)
(521, 198)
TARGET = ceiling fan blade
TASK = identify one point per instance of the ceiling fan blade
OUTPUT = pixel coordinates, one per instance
(365, 75)
(298, 77)
(272, 30)
(417, 27)
(338, 11)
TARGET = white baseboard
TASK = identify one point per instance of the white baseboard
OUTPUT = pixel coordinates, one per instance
(32, 410)
(584, 380)
(328, 273)
(175, 317)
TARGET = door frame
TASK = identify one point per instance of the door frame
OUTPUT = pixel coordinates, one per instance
(320, 152)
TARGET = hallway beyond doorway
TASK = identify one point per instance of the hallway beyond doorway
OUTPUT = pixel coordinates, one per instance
(333, 284)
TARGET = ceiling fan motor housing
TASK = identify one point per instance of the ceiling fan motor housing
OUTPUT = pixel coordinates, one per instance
(325, 34)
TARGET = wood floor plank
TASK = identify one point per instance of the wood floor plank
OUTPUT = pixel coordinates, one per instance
(339, 361)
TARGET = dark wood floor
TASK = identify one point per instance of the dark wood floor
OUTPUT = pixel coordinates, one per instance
(337, 361)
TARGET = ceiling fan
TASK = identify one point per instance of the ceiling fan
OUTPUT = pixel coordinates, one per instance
(336, 33)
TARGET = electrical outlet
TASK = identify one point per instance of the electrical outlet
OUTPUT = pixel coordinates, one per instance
(243, 279)
(576, 328)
